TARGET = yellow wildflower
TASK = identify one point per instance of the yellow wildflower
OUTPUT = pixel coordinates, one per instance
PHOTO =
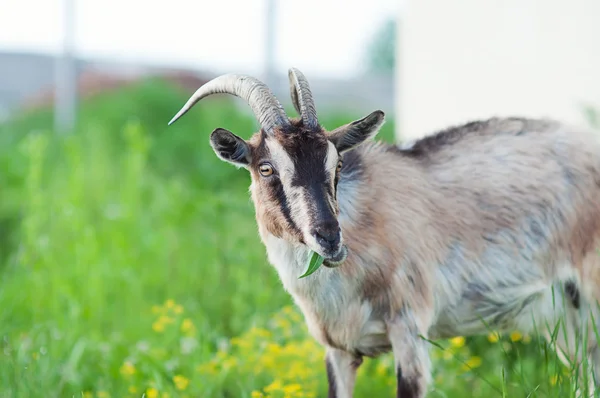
(256, 394)
(102, 394)
(151, 393)
(448, 355)
(132, 389)
(381, 369)
(178, 309)
(210, 368)
(181, 382)
(156, 309)
(493, 337)
(229, 363)
(127, 369)
(187, 326)
(283, 324)
(170, 303)
(263, 333)
(237, 341)
(158, 326)
(274, 386)
(516, 336)
(288, 309)
(291, 388)
(472, 363)
(165, 319)
(457, 341)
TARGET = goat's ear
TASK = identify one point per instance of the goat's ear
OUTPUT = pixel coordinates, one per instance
(352, 134)
(230, 148)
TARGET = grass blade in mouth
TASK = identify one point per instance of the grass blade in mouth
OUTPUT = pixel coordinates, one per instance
(315, 262)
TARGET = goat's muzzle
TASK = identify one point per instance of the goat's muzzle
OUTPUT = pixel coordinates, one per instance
(338, 259)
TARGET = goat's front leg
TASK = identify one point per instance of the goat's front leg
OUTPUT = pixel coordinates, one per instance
(413, 365)
(341, 372)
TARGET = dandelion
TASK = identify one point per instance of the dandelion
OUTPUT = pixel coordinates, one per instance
(256, 394)
(239, 342)
(127, 369)
(274, 386)
(493, 337)
(288, 310)
(181, 382)
(516, 336)
(170, 303)
(187, 326)
(158, 327)
(229, 363)
(472, 363)
(381, 369)
(156, 309)
(151, 393)
(165, 319)
(457, 342)
(283, 324)
(292, 388)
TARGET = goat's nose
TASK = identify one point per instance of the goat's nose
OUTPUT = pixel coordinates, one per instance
(328, 235)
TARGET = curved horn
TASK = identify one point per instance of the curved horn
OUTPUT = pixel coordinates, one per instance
(302, 98)
(265, 106)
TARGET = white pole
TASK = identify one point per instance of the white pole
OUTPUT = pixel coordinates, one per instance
(65, 74)
(398, 133)
(270, 43)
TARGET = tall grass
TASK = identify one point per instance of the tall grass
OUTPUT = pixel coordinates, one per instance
(130, 264)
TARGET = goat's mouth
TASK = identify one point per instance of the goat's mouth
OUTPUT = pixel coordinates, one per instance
(337, 259)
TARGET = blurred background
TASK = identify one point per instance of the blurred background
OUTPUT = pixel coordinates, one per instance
(130, 263)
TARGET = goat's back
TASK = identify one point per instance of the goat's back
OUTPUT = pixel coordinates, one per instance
(503, 190)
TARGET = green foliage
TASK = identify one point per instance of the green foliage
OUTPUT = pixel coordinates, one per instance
(131, 264)
(315, 262)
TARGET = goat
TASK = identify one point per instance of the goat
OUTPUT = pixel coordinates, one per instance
(473, 227)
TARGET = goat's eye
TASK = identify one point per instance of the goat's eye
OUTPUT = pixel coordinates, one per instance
(265, 169)
(339, 166)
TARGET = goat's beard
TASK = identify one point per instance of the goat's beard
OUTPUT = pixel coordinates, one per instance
(338, 259)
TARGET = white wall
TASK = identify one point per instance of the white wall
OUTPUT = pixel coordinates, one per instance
(465, 59)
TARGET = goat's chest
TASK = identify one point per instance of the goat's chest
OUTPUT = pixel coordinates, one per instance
(335, 318)
(334, 313)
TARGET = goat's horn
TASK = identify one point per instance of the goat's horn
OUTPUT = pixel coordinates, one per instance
(302, 98)
(265, 106)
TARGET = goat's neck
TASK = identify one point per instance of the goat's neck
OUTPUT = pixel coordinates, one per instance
(291, 259)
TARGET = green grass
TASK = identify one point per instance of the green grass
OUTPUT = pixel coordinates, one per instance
(130, 264)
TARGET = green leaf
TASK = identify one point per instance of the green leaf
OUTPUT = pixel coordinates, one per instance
(315, 262)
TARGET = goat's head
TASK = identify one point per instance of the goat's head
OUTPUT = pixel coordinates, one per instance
(294, 164)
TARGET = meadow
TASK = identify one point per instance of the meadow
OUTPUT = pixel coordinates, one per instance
(130, 266)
